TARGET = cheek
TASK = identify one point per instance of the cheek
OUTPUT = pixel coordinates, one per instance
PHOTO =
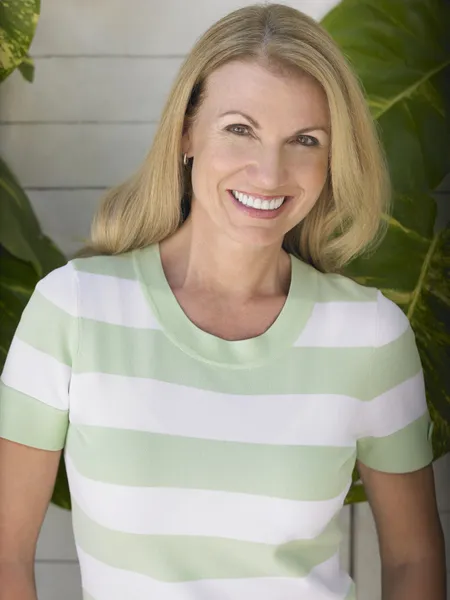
(311, 168)
(214, 163)
(226, 157)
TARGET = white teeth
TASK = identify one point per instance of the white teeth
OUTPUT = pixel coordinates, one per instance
(257, 202)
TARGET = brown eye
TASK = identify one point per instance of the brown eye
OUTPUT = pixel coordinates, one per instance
(307, 140)
(238, 129)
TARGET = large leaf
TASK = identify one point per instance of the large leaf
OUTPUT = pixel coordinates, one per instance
(18, 19)
(400, 51)
(17, 281)
(429, 311)
(18, 276)
(20, 233)
(10, 310)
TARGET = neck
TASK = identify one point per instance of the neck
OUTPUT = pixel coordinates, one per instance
(208, 261)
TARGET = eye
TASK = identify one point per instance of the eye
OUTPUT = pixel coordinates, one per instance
(306, 140)
(238, 129)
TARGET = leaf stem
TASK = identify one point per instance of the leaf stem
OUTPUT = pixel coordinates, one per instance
(423, 272)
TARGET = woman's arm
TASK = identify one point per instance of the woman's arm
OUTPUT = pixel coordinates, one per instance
(27, 478)
(409, 532)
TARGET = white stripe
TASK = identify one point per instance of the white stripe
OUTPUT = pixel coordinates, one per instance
(37, 374)
(392, 321)
(139, 404)
(59, 288)
(398, 407)
(340, 325)
(325, 582)
(115, 300)
(180, 511)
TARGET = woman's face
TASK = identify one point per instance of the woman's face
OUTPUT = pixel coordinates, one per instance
(260, 144)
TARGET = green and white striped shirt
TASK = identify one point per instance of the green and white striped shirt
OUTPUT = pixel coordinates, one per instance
(201, 468)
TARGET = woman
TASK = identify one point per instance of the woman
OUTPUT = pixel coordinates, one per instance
(211, 376)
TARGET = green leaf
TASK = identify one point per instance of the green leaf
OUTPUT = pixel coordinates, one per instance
(17, 282)
(356, 494)
(17, 275)
(61, 494)
(10, 310)
(20, 233)
(18, 19)
(401, 53)
(26, 69)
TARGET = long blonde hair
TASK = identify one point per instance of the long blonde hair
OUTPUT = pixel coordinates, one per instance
(346, 220)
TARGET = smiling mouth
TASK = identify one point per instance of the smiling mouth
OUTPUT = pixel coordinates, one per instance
(258, 203)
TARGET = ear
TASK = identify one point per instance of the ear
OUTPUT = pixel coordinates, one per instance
(186, 141)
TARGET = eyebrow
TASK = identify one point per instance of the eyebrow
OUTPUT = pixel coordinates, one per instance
(256, 125)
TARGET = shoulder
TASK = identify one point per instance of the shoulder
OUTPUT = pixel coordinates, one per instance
(62, 286)
(120, 266)
(366, 305)
(334, 287)
(59, 288)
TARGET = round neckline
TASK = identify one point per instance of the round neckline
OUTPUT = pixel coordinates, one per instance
(201, 345)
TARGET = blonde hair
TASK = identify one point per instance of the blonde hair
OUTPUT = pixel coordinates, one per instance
(347, 218)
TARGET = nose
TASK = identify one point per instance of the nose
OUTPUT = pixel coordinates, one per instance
(269, 170)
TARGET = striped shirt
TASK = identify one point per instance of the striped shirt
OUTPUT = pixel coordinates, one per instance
(201, 468)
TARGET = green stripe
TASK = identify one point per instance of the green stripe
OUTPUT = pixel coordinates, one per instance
(49, 329)
(406, 450)
(137, 458)
(120, 350)
(394, 363)
(106, 349)
(120, 266)
(176, 558)
(30, 422)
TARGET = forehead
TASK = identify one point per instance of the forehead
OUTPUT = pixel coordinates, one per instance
(254, 89)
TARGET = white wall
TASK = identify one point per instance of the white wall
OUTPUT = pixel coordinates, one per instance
(103, 70)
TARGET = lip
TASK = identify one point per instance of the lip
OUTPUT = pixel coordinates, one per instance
(257, 213)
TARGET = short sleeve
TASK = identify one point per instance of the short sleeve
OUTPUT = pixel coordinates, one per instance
(34, 386)
(395, 426)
